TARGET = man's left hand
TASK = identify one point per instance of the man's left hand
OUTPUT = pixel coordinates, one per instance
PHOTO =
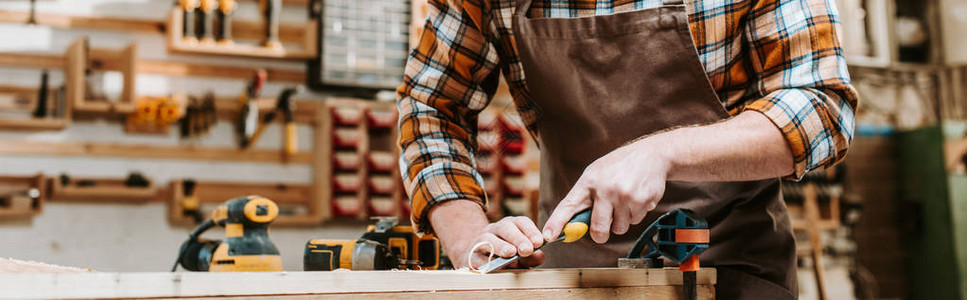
(623, 186)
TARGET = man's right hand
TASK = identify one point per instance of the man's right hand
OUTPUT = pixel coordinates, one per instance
(462, 224)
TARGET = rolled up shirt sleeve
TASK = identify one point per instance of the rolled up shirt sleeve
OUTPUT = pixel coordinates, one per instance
(449, 78)
(802, 83)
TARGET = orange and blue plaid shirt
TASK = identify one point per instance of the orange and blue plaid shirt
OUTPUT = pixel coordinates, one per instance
(778, 57)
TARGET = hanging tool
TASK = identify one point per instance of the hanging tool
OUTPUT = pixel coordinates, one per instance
(285, 106)
(188, 32)
(225, 10)
(270, 15)
(32, 20)
(246, 247)
(574, 230)
(248, 112)
(679, 235)
(41, 110)
(207, 8)
(385, 245)
(190, 206)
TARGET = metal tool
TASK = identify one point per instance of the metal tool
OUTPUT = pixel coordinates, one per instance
(286, 107)
(41, 110)
(188, 32)
(248, 113)
(574, 230)
(246, 248)
(225, 10)
(207, 9)
(679, 235)
(271, 13)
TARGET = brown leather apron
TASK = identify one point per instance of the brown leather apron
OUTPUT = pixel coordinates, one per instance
(602, 81)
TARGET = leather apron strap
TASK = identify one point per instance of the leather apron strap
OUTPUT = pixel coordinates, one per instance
(602, 81)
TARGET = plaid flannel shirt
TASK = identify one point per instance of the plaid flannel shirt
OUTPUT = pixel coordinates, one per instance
(778, 57)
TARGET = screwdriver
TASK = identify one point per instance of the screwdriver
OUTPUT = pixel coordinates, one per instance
(574, 230)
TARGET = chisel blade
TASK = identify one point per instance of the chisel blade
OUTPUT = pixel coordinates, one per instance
(496, 264)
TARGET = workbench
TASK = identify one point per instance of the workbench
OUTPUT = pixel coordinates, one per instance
(541, 284)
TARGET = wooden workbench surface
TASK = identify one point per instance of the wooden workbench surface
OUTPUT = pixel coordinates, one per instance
(548, 283)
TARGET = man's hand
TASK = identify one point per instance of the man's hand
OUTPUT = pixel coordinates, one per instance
(462, 224)
(623, 185)
(627, 183)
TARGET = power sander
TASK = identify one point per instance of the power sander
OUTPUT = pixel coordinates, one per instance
(246, 247)
(385, 245)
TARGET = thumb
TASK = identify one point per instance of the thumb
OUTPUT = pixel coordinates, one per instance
(575, 201)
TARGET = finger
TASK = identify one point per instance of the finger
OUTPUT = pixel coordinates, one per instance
(534, 260)
(621, 218)
(527, 226)
(501, 248)
(575, 201)
(649, 200)
(601, 220)
(509, 232)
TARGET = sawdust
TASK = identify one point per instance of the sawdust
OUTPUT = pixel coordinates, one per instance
(9, 265)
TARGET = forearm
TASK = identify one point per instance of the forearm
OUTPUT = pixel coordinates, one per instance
(746, 147)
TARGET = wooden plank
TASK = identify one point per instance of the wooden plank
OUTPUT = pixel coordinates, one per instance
(322, 163)
(195, 70)
(218, 192)
(104, 190)
(45, 61)
(33, 148)
(32, 124)
(138, 285)
(84, 22)
(705, 292)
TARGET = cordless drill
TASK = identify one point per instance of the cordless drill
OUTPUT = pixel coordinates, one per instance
(246, 247)
(384, 246)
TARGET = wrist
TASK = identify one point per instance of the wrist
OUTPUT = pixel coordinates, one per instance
(657, 151)
(456, 224)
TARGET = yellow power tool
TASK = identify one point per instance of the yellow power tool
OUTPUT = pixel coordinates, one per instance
(384, 246)
(246, 247)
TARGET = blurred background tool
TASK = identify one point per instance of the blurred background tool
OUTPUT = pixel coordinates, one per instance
(270, 16)
(248, 112)
(207, 10)
(385, 245)
(286, 107)
(246, 247)
(41, 110)
(225, 10)
(188, 7)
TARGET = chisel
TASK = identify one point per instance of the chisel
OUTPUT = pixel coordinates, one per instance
(574, 230)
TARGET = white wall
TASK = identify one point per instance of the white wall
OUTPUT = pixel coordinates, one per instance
(135, 237)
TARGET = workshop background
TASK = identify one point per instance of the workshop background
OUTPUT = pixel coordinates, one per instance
(101, 162)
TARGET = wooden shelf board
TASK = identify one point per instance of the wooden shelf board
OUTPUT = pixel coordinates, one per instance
(244, 50)
(33, 124)
(244, 30)
(32, 148)
(105, 190)
(204, 284)
(219, 192)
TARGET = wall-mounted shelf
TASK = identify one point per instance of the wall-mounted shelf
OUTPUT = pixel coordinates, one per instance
(295, 201)
(288, 33)
(17, 195)
(177, 44)
(81, 149)
(101, 190)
